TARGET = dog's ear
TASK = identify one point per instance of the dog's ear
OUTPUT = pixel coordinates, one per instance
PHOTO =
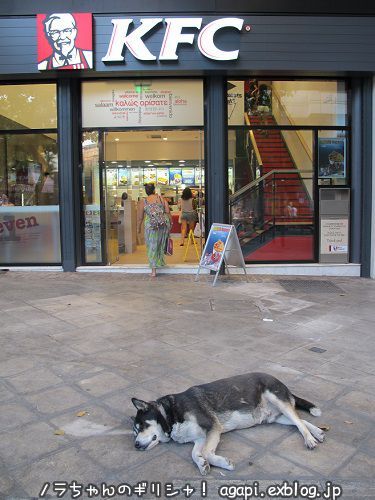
(139, 404)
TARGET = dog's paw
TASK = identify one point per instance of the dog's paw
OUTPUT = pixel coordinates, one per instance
(315, 412)
(310, 442)
(204, 468)
(319, 434)
(228, 464)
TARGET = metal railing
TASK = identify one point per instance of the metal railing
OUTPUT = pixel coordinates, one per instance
(265, 203)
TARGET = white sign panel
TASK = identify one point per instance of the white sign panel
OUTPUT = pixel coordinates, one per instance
(134, 103)
(334, 236)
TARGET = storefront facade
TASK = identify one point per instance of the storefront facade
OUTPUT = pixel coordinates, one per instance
(266, 115)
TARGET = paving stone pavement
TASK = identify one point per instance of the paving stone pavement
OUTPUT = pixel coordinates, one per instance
(88, 342)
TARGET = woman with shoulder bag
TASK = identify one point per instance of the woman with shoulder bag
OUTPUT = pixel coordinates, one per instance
(154, 210)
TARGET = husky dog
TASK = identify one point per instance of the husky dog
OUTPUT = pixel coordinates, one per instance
(203, 412)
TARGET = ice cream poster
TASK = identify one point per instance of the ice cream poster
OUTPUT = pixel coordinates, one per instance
(175, 176)
(215, 247)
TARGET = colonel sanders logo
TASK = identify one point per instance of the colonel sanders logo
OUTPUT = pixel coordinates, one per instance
(64, 41)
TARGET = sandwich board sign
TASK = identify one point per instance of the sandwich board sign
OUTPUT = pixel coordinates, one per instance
(222, 245)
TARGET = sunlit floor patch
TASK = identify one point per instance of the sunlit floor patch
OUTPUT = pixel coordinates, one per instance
(86, 428)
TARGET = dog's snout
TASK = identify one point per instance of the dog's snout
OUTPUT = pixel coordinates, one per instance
(137, 444)
(154, 437)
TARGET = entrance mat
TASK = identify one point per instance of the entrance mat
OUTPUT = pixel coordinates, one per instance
(310, 286)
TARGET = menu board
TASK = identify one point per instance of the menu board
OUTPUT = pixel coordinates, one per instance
(122, 176)
(188, 176)
(175, 176)
(162, 176)
(135, 176)
(149, 175)
(111, 176)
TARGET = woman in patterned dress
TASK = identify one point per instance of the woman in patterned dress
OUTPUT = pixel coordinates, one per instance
(155, 238)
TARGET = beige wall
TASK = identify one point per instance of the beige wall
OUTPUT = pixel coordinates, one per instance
(165, 150)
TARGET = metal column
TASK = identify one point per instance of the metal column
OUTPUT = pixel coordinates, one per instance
(68, 140)
(216, 150)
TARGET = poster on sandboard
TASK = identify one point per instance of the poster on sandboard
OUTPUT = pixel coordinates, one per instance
(222, 245)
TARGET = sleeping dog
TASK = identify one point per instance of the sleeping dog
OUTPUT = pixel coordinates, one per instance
(203, 412)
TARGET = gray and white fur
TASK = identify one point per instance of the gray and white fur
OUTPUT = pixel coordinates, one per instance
(203, 412)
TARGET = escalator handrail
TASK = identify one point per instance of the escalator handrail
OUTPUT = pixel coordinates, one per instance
(254, 142)
(255, 182)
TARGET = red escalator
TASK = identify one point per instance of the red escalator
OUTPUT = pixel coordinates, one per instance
(286, 200)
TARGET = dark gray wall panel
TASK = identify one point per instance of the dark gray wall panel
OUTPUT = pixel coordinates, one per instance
(22, 7)
(293, 44)
(18, 49)
(273, 43)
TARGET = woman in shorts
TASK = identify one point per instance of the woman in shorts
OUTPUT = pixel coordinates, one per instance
(189, 216)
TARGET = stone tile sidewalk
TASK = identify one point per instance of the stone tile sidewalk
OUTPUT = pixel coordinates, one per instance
(87, 342)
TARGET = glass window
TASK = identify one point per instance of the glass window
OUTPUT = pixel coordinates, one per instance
(28, 106)
(270, 174)
(29, 194)
(284, 140)
(294, 103)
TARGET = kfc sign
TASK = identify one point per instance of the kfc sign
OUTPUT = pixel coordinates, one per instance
(173, 37)
(64, 41)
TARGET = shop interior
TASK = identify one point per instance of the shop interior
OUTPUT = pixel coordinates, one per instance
(172, 160)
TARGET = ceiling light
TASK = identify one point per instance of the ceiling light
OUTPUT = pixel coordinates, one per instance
(165, 138)
(147, 161)
(181, 161)
(117, 139)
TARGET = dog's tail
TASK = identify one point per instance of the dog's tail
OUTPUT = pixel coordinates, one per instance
(303, 404)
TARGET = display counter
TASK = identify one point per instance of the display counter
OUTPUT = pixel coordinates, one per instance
(176, 226)
(128, 227)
